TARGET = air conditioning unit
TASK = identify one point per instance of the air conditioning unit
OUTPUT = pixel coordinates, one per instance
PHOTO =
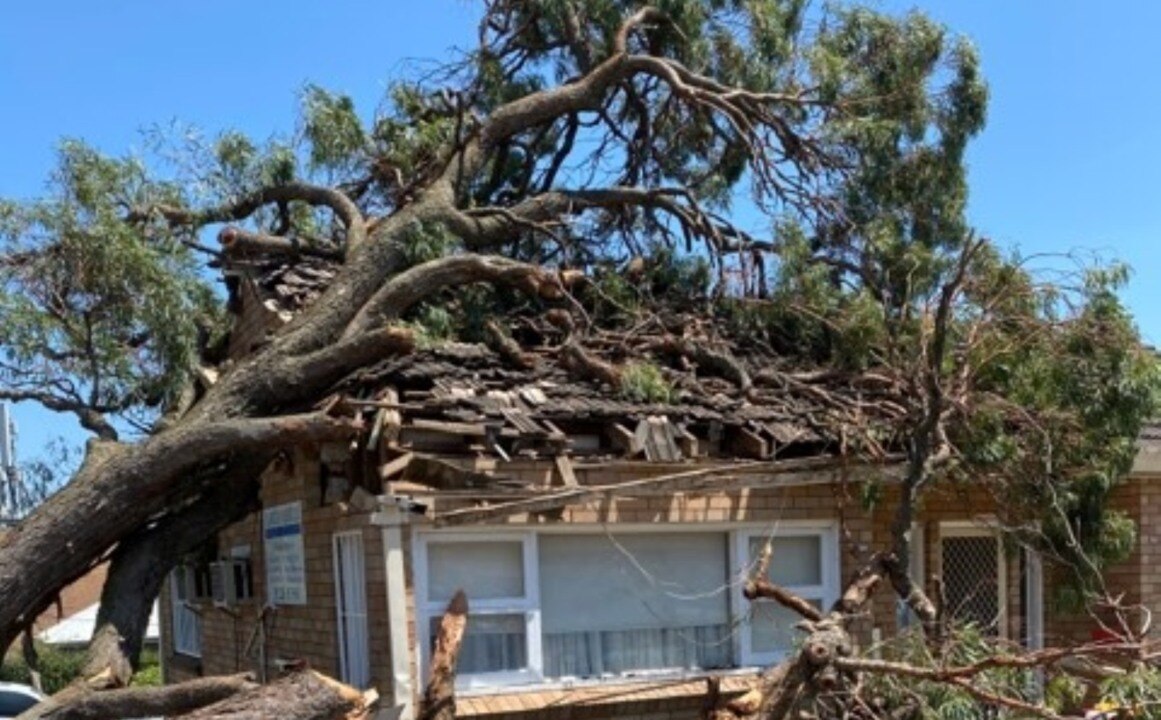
(232, 582)
(196, 583)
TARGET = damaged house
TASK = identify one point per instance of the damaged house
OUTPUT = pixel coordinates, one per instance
(600, 531)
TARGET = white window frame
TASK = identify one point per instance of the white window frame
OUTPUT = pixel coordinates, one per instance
(982, 528)
(738, 538)
(528, 606)
(827, 591)
(182, 615)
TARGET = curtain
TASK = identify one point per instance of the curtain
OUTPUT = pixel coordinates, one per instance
(492, 643)
(595, 653)
(617, 604)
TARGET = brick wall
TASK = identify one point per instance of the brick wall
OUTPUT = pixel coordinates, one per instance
(309, 632)
(232, 637)
(1137, 579)
(681, 700)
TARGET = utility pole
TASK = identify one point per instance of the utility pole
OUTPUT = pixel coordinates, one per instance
(11, 489)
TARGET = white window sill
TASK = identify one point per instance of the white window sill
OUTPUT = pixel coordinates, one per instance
(475, 688)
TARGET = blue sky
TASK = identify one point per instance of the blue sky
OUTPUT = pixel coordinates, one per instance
(1068, 161)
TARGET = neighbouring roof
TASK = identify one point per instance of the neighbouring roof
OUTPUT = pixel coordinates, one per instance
(78, 629)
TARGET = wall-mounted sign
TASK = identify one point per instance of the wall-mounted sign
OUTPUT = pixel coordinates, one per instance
(285, 560)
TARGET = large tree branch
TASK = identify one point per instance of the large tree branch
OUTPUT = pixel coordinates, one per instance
(302, 695)
(439, 698)
(484, 227)
(91, 419)
(117, 490)
(239, 243)
(427, 279)
(343, 207)
(142, 561)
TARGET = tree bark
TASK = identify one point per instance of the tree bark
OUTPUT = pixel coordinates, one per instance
(117, 491)
(81, 703)
(439, 697)
(141, 563)
(303, 695)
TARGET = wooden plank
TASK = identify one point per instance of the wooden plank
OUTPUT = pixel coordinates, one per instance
(564, 470)
(755, 473)
(395, 466)
(377, 428)
(392, 418)
(623, 439)
(664, 439)
(715, 437)
(445, 475)
(750, 444)
(458, 428)
(687, 441)
(641, 438)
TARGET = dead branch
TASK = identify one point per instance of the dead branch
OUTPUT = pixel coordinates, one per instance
(715, 361)
(587, 365)
(439, 701)
(765, 589)
(507, 348)
(238, 243)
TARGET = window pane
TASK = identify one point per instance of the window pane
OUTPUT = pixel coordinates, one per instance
(483, 569)
(772, 626)
(971, 577)
(794, 561)
(492, 643)
(646, 601)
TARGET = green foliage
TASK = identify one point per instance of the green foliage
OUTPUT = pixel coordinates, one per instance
(937, 700)
(1064, 693)
(1135, 691)
(426, 241)
(149, 670)
(333, 129)
(644, 382)
(432, 325)
(98, 310)
(60, 666)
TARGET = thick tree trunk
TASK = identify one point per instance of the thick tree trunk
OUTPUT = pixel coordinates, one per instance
(142, 562)
(81, 703)
(117, 491)
(303, 695)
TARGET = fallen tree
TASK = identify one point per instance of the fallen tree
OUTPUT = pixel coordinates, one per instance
(602, 199)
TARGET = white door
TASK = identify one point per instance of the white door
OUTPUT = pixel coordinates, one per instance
(351, 606)
(974, 577)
